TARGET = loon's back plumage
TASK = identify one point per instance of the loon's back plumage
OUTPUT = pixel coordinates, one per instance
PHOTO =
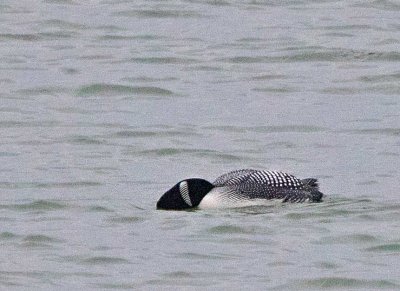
(254, 184)
(268, 178)
(246, 186)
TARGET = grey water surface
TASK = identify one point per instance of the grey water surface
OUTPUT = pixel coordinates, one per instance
(104, 105)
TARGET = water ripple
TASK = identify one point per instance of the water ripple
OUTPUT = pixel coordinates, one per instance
(357, 239)
(114, 89)
(84, 140)
(48, 185)
(338, 55)
(52, 91)
(392, 77)
(375, 131)
(21, 36)
(342, 283)
(146, 134)
(126, 219)
(96, 208)
(62, 24)
(392, 248)
(8, 236)
(103, 260)
(40, 238)
(201, 256)
(36, 205)
(202, 153)
(112, 37)
(269, 129)
(380, 4)
(226, 229)
(163, 60)
(154, 13)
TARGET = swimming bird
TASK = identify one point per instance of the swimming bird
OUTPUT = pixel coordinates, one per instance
(240, 188)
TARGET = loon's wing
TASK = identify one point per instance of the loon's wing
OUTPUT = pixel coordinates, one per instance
(253, 184)
(262, 191)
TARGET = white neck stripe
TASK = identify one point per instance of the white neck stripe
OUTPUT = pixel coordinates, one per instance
(184, 190)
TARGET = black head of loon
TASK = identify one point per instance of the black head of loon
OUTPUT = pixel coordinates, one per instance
(186, 194)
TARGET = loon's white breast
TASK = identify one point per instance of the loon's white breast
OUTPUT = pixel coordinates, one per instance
(219, 198)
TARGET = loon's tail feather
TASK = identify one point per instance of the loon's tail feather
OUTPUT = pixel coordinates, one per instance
(316, 196)
(311, 183)
(294, 195)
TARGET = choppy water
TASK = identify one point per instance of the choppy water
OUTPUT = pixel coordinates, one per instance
(106, 104)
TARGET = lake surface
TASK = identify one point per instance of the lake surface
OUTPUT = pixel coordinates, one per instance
(104, 105)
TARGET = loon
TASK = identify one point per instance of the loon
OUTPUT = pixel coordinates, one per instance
(240, 188)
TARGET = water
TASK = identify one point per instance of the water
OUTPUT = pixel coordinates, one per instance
(106, 104)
